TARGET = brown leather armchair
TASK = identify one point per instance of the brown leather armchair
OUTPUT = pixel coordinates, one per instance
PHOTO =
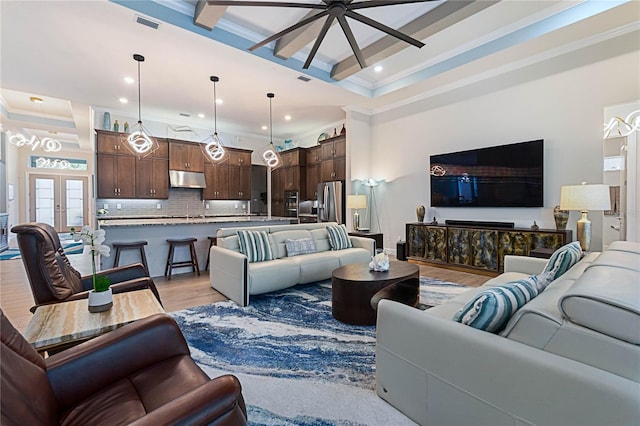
(140, 374)
(52, 277)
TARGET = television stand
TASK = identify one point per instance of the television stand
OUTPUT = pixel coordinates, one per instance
(480, 248)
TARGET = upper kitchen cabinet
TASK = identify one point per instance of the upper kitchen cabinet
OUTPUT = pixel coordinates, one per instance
(108, 142)
(239, 174)
(333, 166)
(186, 156)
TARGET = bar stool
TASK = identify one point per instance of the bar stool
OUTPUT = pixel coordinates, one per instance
(129, 246)
(213, 241)
(192, 262)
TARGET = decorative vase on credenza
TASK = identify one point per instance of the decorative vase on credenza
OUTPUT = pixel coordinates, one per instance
(420, 211)
(561, 217)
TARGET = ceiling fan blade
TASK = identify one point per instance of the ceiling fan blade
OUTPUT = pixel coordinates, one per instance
(264, 3)
(376, 3)
(300, 24)
(316, 45)
(352, 41)
(381, 27)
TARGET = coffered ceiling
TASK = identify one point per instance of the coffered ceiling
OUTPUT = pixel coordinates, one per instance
(75, 55)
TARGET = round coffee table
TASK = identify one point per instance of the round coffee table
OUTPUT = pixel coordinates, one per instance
(353, 286)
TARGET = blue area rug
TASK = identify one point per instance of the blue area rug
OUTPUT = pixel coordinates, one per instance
(297, 364)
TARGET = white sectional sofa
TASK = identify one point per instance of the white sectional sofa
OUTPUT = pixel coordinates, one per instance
(570, 356)
(235, 277)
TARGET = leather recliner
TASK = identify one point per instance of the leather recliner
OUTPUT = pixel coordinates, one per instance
(54, 280)
(140, 374)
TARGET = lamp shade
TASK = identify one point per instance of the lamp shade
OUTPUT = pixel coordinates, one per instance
(585, 197)
(356, 201)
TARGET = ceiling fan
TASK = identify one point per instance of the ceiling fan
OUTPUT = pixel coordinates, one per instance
(332, 9)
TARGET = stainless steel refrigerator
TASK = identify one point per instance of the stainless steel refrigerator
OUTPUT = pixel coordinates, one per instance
(331, 206)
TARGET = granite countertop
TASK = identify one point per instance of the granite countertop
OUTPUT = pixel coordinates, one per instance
(131, 221)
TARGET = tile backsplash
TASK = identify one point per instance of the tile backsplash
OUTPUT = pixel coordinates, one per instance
(181, 202)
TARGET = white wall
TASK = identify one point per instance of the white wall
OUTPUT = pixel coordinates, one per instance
(564, 109)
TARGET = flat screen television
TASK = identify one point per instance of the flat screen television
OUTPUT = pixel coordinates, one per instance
(498, 176)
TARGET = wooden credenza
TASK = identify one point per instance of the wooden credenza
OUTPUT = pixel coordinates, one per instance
(481, 249)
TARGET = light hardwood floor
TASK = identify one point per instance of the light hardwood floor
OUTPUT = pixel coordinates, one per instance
(181, 292)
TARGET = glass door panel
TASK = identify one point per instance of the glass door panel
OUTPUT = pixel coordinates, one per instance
(74, 202)
(60, 201)
(45, 201)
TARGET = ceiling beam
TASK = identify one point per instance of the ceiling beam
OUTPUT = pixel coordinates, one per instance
(291, 43)
(443, 16)
(206, 15)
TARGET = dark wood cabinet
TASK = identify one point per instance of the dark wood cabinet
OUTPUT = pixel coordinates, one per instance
(240, 175)
(333, 166)
(217, 179)
(229, 179)
(111, 143)
(120, 174)
(152, 178)
(477, 248)
(378, 237)
(186, 156)
(314, 161)
(116, 176)
(291, 176)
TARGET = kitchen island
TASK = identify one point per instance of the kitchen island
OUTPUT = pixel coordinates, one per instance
(156, 231)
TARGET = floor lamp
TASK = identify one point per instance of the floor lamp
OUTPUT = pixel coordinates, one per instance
(371, 183)
(584, 198)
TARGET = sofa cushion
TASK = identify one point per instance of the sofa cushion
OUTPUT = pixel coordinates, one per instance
(605, 299)
(301, 246)
(563, 259)
(255, 245)
(279, 238)
(492, 308)
(338, 237)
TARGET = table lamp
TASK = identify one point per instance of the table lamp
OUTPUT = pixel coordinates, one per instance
(356, 202)
(584, 198)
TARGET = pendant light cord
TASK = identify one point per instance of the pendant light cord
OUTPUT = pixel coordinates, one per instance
(139, 96)
(270, 96)
(215, 110)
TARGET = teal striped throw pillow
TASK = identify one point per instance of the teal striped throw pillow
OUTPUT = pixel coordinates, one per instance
(255, 245)
(338, 237)
(564, 258)
(491, 309)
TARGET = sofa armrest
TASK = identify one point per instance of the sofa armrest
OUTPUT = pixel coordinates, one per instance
(368, 244)
(428, 367)
(106, 359)
(219, 399)
(228, 274)
(524, 264)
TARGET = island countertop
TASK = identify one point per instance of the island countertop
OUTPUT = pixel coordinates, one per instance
(144, 221)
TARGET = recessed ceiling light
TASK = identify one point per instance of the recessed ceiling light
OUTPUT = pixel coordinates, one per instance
(124, 100)
(264, 127)
(201, 115)
(378, 68)
(129, 80)
(219, 101)
(36, 100)
(287, 117)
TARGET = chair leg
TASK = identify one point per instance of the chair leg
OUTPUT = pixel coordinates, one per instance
(168, 267)
(194, 258)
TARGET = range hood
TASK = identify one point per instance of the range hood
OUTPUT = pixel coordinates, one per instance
(182, 179)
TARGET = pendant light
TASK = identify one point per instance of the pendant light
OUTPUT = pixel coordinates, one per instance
(139, 142)
(214, 150)
(269, 153)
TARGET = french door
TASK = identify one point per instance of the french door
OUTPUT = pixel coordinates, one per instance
(60, 201)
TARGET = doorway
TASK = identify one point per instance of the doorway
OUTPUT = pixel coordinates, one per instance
(58, 200)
